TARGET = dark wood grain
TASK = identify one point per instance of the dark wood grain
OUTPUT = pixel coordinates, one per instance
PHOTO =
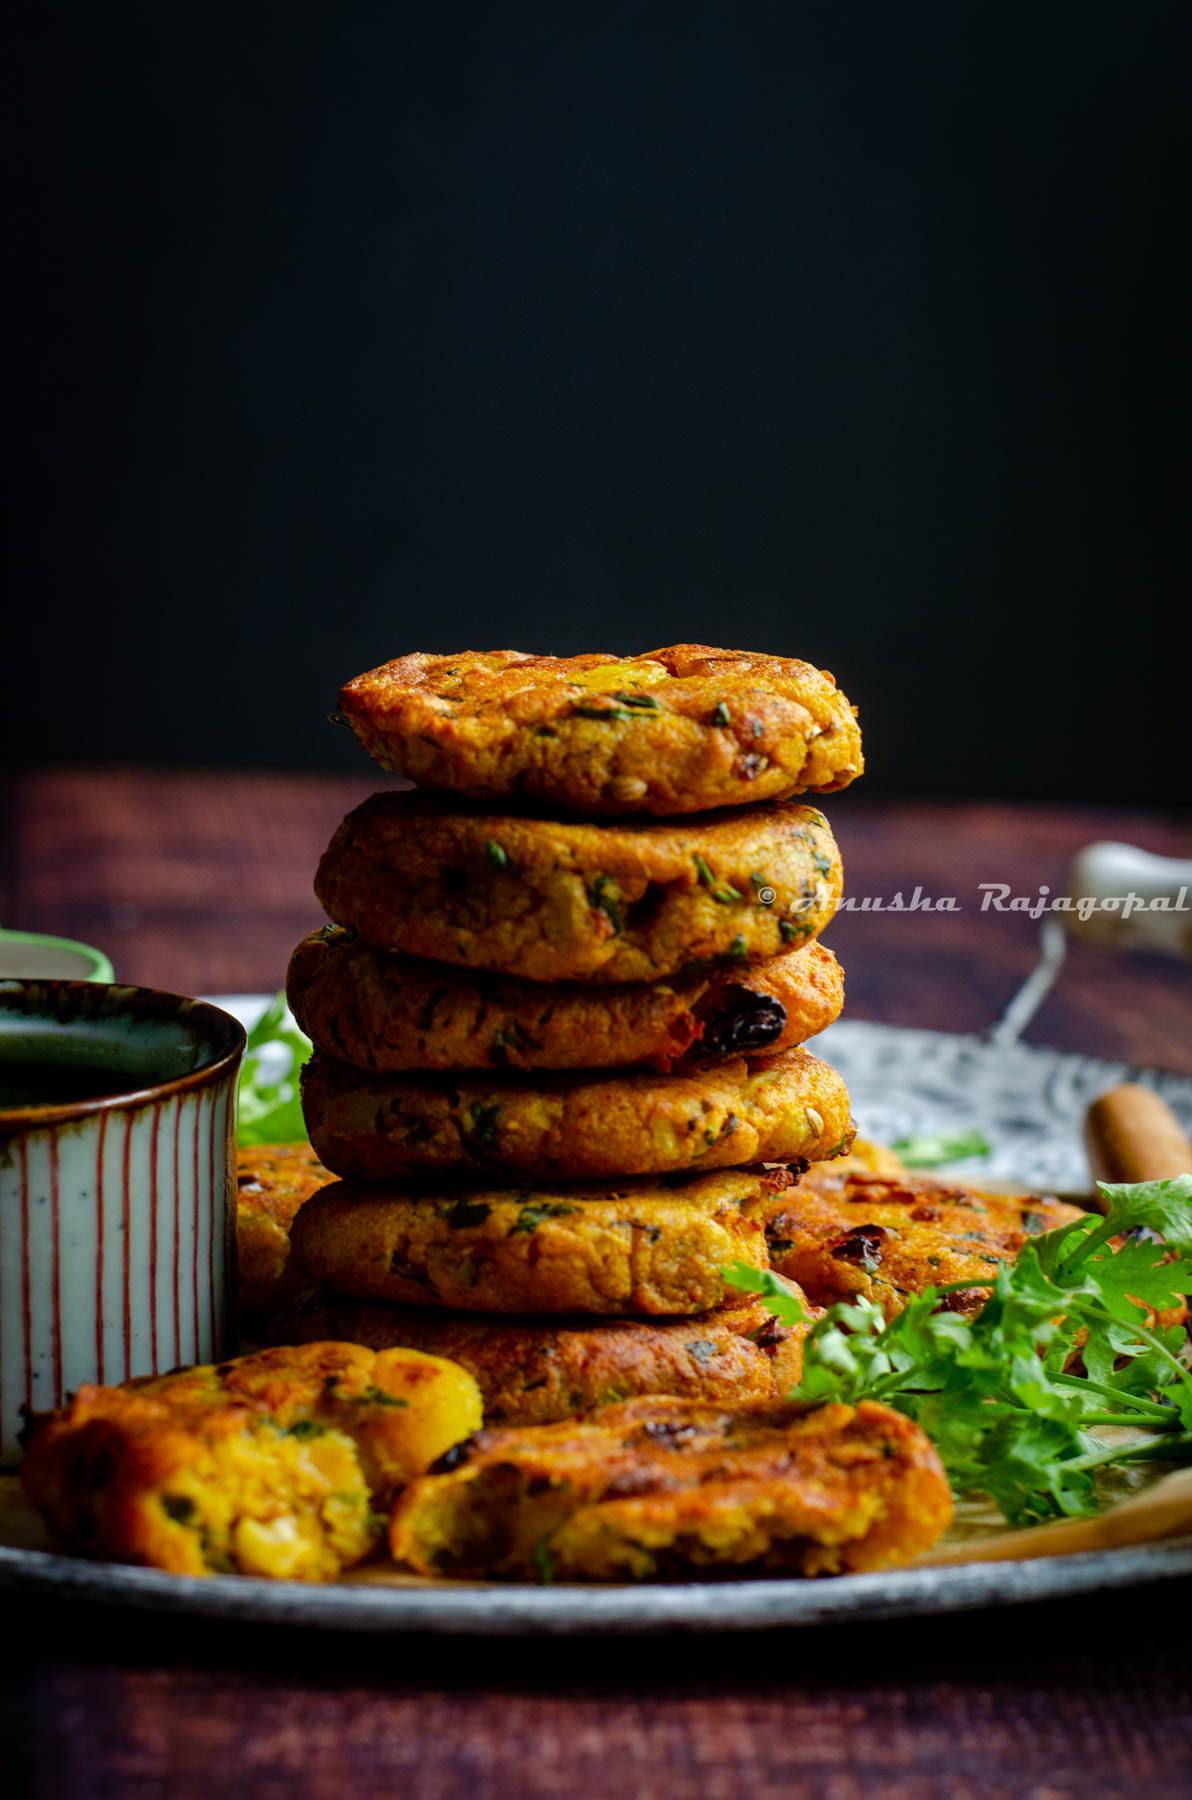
(202, 884)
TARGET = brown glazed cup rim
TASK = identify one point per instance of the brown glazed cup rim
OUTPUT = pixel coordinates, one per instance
(222, 1035)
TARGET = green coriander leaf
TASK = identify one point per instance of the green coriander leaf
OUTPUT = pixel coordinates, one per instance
(269, 1110)
(1161, 1206)
(929, 1149)
(785, 1306)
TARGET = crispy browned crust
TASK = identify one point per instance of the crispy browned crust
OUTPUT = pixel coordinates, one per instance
(640, 1247)
(785, 1108)
(273, 1181)
(536, 1371)
(655, 1489)
(383, 1011)
(218, 1467)
(889, 1237)
(670, 731)
(551, 900)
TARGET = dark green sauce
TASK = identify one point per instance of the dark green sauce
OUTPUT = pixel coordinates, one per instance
(24, 1083)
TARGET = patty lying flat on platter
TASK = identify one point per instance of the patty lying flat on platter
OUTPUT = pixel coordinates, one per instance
(889, 1237)
(380, 1010)
(785, 1108)
(535, 1371)
(656, 1489)
(638, 1247)
(563, 901)
(273, 1181)
(273, 1464)
(670, 731)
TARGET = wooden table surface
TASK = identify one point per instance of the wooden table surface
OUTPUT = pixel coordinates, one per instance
(201, 883)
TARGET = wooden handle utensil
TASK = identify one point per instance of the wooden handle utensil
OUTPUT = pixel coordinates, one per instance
(1132, 1135)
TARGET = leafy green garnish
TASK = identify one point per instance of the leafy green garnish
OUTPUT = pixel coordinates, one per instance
(931, 1148)
(787, 1308)
(269, 1110)
(999, 1395)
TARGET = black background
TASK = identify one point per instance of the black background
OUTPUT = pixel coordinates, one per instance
(843, 330)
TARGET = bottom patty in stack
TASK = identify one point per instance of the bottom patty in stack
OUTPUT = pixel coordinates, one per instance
(533, 1371)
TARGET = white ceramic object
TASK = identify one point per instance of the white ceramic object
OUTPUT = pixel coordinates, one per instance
(1142, 902)
(117, 1216)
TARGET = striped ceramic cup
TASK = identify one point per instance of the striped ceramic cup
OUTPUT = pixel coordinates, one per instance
(117, 1182)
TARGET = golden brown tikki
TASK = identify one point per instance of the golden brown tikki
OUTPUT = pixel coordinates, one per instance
(639, 1247)
(670, 731)
(662, 1489)
(785, 1108)
(380, 1010)
(274, 1464)
(889, 1237)
(273, 1181)
(554, 900)
(535, 1371)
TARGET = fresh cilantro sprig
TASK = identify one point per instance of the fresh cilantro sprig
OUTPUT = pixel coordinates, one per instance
(1062, 1345)
(268, 1107)
(932, 1149)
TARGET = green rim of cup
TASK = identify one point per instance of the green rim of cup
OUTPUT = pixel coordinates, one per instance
(96, 966)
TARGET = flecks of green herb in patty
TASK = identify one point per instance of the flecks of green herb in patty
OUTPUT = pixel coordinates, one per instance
(468, 1213)
(494, 855)
(179, 1507)
(721, 891)
(376, 1396)
(603, 712)
(543, 1563)
(532, 1214)
(482, 1126)
(721, 715)
(643, 702)
(603, 901)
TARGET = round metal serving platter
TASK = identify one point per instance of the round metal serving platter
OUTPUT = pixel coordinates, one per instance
(506, 1610)
(1030, 1105)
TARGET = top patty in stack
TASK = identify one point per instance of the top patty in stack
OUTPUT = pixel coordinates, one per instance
(555, 900)
(671, 731)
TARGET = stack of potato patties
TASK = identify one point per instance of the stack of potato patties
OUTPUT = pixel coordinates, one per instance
(558, 1017)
